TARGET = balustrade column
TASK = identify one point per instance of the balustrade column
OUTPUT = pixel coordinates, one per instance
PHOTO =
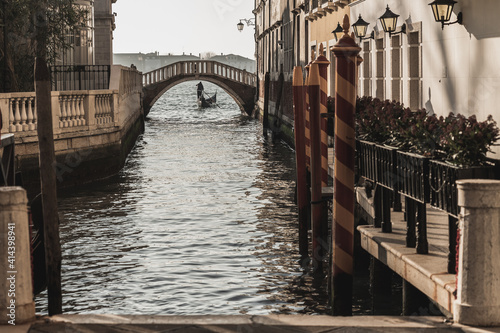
(30, 124)
(24, 115)
(14, 225)
(478, 283)
(17, 115)
(62, 117)
(35, 115)
(12, 126)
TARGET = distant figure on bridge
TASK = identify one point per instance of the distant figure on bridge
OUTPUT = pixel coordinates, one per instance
(200, 89)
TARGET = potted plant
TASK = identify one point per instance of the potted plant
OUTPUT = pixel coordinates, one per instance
(465, 143)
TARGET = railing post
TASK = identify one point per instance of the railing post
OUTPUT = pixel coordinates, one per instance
(16, 295)
(4, 109)
(56, 111)
(115, 108)
(91, 100)
(422, 243)
(478, 283)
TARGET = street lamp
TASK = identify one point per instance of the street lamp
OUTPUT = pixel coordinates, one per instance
(241, 25)
(442, 10)
(360, 28)
(389, 22)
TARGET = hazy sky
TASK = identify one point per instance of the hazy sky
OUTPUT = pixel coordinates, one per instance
(173, 26)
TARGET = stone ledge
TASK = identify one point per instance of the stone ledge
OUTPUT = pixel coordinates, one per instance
(240, 323)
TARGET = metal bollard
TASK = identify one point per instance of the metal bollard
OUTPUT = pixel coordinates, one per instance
(478, 283)
(16, 294)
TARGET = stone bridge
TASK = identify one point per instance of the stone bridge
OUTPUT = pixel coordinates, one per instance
(239, 84)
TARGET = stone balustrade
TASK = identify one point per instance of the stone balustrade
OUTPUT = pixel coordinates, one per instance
(88, 126)
(76, 110)
(71, 111)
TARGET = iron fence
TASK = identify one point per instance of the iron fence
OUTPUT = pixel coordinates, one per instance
(80, 77)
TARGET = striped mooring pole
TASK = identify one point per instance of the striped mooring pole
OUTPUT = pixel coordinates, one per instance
(323, 64)
(300, 158)
(307, 116)
(316, 190)
(346, 52)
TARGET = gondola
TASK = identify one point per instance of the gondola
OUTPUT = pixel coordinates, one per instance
(204, 102)
(207, 102)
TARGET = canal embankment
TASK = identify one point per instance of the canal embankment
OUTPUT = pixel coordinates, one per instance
(94, 130)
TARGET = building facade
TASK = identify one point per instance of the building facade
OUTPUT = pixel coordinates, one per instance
(446, 69)
(103, 34)
(288, 33)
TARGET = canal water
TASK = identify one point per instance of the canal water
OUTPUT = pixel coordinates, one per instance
(201, 220)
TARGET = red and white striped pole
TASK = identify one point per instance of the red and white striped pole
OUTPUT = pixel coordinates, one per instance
(307, 116)
(346, 52)
(300, 157)
(316, 191)
(323, 64)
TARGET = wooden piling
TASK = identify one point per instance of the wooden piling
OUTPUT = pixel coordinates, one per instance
(346, 52)
(316, 190)
(323, 64)
(265, 117)
(300, 158)
(47, 161)
(307, 117)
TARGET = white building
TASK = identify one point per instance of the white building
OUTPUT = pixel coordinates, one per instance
(455, 69)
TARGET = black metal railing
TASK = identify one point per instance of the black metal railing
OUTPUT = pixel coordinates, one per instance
(421, 181)
(80, 77)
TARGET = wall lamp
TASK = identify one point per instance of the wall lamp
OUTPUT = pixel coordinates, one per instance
(360, 29)
(442, 10)
(241, 25)
(389, 22)
(338, 32)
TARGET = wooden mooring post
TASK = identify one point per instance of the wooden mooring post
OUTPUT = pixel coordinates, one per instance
(316, 188)
(346, 51)
(48, 181)
(300, 158)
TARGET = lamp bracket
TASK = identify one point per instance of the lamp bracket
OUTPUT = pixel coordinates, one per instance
(371, 36)
(459, 21)
(249, 22)
(402, 31)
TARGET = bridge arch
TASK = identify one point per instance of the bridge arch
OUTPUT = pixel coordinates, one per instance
(239, 84)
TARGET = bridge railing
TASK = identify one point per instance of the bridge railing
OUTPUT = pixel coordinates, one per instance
(201, 67)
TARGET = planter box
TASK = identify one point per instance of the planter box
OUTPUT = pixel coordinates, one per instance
(443, 186)
(413, 176)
